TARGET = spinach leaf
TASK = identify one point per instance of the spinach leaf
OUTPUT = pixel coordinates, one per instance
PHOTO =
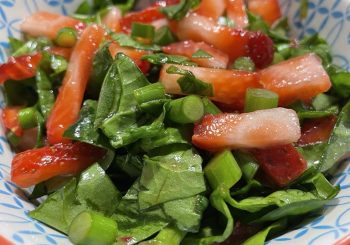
(46, 98)
(278, 198)
(252, 184)
(93, 190)
(170, 235)
(178, 11)
(219, 204)
(29, 47)
(133, 225)
(130, 163)
(186, 213)
(164, 137)
(292, 209)
(313, 153)
(83, 130)
(256, 23)
(84, 8)
(322, 188)
(126, 41)
(261, 236)
(101, 63)
(118, 114)
(338, 144)
(323, 102)
(174, 176)
(161, 59)
(340, 79)
(189, 84)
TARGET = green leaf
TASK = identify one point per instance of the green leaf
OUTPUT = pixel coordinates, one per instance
(292, 209)
(178, 11)
(161, 59)
(118, 114)
(189, 84)
(313, 153)
(15, 44)
(101, 63)
(20, 93)
(84, 130)
(217, 201)
(186, 213)
(126, 41)
(256, 23)
(93, 190)
(340, 79)
(130, 163)
(133, 224)
(164, 137)
(170, 177)
(46, 96)
(323, 189)
(201, 54)
(338, 144)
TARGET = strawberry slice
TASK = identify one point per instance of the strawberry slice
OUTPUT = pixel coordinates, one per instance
(188, 48)
(112, 18)
(269, 10)
(211, 8)
(282, 164)
(48, 24)
(261, 49)
(259, 129)
(236, 11)
(36, 165)
(229, 85)
(316, 130)
(19, 68)
(299, 78)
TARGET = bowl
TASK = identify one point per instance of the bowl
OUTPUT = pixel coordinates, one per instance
(329, 18)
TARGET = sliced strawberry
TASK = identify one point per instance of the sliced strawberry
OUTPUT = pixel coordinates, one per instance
(112, 18)
(316, 130)
(299, 78)
(10, 119)
(202, 29)
(282, 164)
(147, 15)
(229, 85)
(65, 52)
(188, 48)
(261, 49)
(48, 24)
(70, 97)
(259, 129)
(211, 8)
(134, 54)
(269, 10)
(236, 11)
(19, 68)
(34, 166)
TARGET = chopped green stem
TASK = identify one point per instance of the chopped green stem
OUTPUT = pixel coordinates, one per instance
(210, 107)
(244, 64)
(164, 36)
(90, 228)
(188, 109)
(223, 170)
(141, 30)
(247, 163)
(260, 99)
(149, 93)
(28, 117)
(66, 37)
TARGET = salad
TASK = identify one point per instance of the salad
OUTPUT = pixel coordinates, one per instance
(185, 122)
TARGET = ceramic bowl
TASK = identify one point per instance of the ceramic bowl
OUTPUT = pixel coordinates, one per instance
(329, 18)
